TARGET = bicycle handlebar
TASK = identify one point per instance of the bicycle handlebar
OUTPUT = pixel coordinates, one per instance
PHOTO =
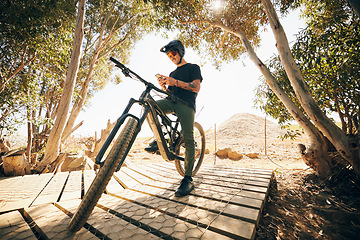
(127, 72)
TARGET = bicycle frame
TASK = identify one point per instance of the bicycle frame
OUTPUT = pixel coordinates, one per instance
(150, 112)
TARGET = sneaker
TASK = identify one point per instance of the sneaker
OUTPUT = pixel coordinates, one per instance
(153, 147)
(186, 186)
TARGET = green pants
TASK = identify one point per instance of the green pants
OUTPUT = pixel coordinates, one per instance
(186, 116)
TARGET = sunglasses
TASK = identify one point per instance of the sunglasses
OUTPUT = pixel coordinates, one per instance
(172, 54)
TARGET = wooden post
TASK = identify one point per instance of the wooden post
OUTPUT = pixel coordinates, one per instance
(265, 137)
(215, 145)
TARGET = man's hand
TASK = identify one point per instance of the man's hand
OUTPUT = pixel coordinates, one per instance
(167, 80)
(162, 82)
(193, 86)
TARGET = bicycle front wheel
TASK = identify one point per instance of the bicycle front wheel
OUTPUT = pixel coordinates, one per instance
(103, 176)
(199, 137)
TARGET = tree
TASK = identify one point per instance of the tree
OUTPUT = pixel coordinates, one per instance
(327, 53)
(21, 22)
(112, 28)
(346, 146)
(115, 30)
(240, 21)
(52, 148)
(29, 31)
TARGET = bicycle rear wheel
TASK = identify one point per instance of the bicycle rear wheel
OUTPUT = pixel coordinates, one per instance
(199, 137)
(103, 176)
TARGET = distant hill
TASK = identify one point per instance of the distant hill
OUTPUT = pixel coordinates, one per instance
(248, 126)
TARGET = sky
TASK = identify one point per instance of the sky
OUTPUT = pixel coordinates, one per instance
(223, 93)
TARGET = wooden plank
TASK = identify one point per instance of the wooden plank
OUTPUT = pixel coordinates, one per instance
(195, 215)
(138, 177)
(225, 181)
(251, 180)
(245, 191)
(215, 205)
(125, 179)
(253, 176)
(89, 176)
(19, 192)
(240, 200)
(114, 185)
(52, 223)
(110, 225)
(265, 172)
(225, 204)
(72, 188)
(160, 222)
(13, 226)
(52, 191)
(220, 170)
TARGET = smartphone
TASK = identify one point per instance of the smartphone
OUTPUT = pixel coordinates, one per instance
(157, 75)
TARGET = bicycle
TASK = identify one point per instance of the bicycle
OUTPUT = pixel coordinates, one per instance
(171, 148)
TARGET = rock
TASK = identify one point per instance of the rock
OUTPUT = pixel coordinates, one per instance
(235, 156)
(15, 163)
(252, 155)
(75, 163)
(223, 153)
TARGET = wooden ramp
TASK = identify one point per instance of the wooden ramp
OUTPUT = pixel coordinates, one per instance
(140, 204)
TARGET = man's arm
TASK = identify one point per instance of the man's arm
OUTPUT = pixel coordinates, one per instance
(193, 86)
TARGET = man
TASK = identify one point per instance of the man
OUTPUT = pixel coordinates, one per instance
(184, 82)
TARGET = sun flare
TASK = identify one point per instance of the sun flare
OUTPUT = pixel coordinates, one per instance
(217, 5)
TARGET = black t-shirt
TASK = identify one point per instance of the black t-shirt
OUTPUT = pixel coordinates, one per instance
(186, 73)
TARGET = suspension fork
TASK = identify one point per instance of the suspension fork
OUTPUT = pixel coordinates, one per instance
(117, 126)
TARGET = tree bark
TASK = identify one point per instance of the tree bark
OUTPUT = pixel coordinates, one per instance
(53, 143)
(348, 148)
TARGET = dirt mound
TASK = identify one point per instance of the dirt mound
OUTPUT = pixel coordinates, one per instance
(249, 126)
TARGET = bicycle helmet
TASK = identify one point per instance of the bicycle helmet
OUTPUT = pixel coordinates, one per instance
(174, 45)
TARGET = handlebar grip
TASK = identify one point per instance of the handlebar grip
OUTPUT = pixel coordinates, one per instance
(117, 62)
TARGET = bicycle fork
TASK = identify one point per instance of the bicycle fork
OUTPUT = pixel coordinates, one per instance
(116, 128)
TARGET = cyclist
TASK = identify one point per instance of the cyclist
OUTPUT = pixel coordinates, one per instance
(184, 82)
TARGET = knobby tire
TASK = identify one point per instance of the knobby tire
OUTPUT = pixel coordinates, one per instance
(103, 176)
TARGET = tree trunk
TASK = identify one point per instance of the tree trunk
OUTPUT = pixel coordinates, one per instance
(348, 148)
(80, 103)
(81, 100)
(94, 149)
(16, 164)
(30, 135)
(315, 149)
(53, 143)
